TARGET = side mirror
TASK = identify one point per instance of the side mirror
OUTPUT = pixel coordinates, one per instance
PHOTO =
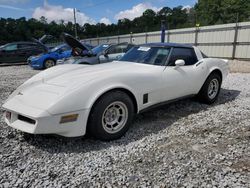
(179, 62)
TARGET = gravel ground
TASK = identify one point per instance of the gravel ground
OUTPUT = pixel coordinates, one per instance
(184, 144)
(239, 66)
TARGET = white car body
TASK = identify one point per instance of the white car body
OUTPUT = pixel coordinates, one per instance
(73, 89)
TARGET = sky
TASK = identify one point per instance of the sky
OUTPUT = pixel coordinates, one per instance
(88, 11)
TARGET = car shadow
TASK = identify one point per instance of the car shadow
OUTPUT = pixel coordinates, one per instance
(150, 122)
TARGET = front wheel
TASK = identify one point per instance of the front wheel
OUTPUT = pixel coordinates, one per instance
(111, 116)
(49, 63)
(210, 89)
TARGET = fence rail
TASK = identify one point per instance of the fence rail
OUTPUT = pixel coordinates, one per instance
(226, 41)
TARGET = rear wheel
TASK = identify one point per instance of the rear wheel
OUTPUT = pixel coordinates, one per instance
(111, 116)
(49, 63)
(210, 89)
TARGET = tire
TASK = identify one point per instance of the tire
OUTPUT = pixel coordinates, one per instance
(105, 120)
(49, 63)
(84, 63)
(211, 88)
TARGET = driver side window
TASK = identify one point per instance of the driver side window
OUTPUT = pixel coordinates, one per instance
(118, 49)
(186, 54)
(11, 47)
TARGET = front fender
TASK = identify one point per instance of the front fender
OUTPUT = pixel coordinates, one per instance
(86, 96)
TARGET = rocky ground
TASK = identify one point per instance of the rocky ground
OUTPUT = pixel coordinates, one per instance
(184, 144)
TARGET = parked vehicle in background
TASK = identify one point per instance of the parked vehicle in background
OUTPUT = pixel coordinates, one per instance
(102, 53)
(102, 99)
(19, 52)
(48, 59)
(96, 50)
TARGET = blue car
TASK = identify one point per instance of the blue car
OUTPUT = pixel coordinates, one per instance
(46, 60)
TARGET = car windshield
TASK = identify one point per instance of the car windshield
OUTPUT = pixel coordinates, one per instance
(100, 48)
(147, 55)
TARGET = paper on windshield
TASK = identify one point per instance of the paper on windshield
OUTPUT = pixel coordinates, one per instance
(145, 49)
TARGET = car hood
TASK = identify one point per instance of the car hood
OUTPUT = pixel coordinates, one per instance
(74, 74)
(41, 44)
(74, 43)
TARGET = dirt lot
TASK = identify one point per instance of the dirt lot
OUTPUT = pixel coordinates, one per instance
(184, 144)
(239, 66)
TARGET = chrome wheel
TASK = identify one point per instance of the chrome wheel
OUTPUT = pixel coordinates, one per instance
(213, 88)
(115, 117)
(49, 63)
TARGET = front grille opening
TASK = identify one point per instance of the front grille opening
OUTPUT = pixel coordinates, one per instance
(26, 119)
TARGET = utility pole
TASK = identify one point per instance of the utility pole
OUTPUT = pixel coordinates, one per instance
(163, 29)
(75, 22)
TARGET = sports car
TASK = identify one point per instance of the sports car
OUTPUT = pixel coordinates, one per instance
(102, 99)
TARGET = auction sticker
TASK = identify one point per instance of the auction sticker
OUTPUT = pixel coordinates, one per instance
(145, 49)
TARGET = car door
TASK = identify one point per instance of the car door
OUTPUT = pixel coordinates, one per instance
(9, 54)
(24, 51)
(181, 81)
(113, 53)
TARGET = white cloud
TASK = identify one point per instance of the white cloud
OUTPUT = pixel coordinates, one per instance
(187, 8)
(11, 7)
(57, 13)
(13, 1)
(135, 11)
(105, 21)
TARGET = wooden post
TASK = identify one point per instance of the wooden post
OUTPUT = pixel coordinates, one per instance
(196, 36)
(236, 31)
(168, 36)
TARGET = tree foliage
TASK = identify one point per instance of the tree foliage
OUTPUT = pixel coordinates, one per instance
(205, 12)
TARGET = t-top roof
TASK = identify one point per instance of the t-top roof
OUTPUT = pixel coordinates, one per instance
(159, 44)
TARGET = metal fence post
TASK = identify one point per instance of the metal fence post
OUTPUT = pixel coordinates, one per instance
(235, 39)
(131, 35)
(168, 36)
(118, 39)
(196, 36)
(146, 37)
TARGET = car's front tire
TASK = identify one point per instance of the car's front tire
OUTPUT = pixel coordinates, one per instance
(49, 63)
(211, 88)
(111, 116)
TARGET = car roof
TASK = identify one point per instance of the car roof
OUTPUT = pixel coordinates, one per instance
(168, 45)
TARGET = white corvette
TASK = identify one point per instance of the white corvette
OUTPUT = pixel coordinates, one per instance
(70, 100)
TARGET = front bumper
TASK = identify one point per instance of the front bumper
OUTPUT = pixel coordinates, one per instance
(35, 64)
(49, 124)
